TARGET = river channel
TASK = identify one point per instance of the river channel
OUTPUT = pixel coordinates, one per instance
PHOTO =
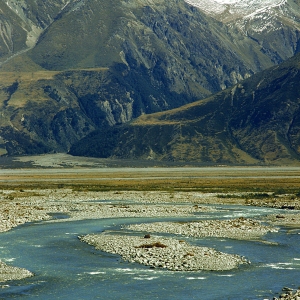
(66, 268)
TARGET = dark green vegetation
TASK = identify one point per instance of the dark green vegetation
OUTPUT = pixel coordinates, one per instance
(247, 196)
(257, 120)
(69, 70)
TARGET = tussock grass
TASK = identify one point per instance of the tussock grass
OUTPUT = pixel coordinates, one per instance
(159, 184)
(246, 196)
(259, 186)
(20, 194)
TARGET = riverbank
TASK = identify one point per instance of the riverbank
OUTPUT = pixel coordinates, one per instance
(29, 205)
(19, 207)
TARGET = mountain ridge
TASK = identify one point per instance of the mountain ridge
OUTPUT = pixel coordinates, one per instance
(256, 121)
(271, 23)
(105, 63)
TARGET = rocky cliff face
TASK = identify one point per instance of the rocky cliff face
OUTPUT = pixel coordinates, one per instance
(256, 121)
(63, 108)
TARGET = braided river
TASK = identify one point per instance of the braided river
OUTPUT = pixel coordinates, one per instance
(66, 268)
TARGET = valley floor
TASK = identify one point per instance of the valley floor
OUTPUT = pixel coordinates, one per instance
(36, 194)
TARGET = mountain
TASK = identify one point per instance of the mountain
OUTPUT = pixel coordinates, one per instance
(22, 22)
(71, 67)
(99, 63)
(255, 121)
(273, 24)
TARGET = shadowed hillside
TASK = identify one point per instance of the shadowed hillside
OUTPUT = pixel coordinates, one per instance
(258, 120)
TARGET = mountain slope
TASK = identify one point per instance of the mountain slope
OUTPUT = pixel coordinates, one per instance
(167, 37)
(22, 22)
(273, 24)
(258, 120)
(157, 55)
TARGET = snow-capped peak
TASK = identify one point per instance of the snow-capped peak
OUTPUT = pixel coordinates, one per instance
(253, 15)
(236, 8)
(227, 1)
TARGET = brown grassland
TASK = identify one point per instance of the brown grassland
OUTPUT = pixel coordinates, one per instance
(216, 180)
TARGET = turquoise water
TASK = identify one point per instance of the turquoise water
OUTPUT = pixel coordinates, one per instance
(66, 268)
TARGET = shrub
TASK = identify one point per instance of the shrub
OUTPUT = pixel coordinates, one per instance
(148, 246)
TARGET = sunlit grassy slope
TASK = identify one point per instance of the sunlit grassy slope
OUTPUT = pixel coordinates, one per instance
(256, 121)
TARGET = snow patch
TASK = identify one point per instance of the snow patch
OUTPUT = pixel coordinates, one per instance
(258, 15)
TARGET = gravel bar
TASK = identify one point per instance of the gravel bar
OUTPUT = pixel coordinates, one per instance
(166, 253)
(12, 273)
(241, 228)
(289, 294)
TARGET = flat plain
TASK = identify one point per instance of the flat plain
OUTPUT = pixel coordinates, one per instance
(205, 179)
(34, 188)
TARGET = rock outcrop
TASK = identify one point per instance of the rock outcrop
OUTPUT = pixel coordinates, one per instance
(255, 121)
